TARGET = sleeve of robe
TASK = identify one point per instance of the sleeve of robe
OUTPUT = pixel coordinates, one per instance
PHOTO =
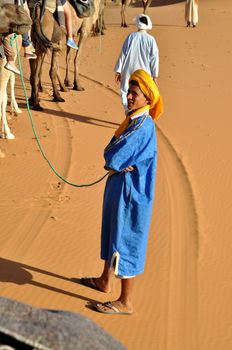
(136, 145)
(154, 61)
(122, 56)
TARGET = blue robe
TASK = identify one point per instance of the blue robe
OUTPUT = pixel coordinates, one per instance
(128, 197)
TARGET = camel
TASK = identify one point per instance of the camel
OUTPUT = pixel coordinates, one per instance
(124, 5)
(5, 77)
(46, 35)
(81, 29)
(12, 19)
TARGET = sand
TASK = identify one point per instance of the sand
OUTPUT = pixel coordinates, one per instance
(50, 231)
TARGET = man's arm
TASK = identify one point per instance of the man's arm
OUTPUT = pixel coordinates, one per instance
(154, 60)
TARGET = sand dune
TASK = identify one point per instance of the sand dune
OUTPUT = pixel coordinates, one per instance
(50, 230)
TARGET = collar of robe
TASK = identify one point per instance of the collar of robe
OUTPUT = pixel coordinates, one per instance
(131, 115)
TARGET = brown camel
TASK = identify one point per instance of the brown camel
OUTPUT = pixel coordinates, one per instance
(81, 29)
(46, 35)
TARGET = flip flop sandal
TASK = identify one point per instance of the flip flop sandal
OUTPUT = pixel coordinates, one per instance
(109, 308)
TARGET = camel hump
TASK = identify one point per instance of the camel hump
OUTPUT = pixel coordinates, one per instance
(83, 8)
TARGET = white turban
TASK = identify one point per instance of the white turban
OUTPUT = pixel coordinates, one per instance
(141, 25)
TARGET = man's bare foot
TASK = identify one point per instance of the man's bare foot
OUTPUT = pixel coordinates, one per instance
(103, 285)
(95, 283)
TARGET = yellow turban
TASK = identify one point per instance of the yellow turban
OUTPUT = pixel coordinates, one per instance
(150, 90)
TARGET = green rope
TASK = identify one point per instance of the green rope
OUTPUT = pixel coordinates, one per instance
(35, 132)
(12, 38)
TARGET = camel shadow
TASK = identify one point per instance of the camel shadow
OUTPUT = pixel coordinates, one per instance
(157, 3)
(17, 273)
(77, 117)
(170, 25)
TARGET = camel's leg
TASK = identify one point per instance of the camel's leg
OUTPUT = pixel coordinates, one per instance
(34, 80)
(5, 127)
(63, 88)
(40, 86)
(146, 4)
(97, 27)
(32, 77)
(123, 16)
(102, 15)
(13, 103)
(53, 75)
(103, 20)
(76, 83)
(67, 80)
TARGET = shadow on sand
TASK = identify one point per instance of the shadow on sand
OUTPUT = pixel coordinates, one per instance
(157, 3)
(76, 117)
(20, 274)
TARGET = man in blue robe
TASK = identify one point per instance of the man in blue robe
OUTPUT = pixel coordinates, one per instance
(131, 159)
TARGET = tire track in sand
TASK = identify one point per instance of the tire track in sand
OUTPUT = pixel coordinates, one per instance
(34, 212)
(180, 306)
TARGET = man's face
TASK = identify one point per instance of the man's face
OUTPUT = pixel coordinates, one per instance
(135, 98)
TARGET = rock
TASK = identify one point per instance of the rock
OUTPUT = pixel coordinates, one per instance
(23, 327)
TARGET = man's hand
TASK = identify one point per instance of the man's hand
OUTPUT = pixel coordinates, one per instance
(129, 168)
(126, 170)
(117, 77)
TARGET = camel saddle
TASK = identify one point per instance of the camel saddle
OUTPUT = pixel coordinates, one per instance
(14, 19)
(83, 8)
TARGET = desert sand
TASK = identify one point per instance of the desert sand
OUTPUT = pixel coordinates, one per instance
(50, 231)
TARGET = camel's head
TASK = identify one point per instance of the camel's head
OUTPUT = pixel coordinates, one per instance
(14, 19)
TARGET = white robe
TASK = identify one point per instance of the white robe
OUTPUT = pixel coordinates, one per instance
(191, 12)
(139, 51)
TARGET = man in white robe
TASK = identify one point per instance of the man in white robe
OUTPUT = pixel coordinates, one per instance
(139, 51)
(191, 12)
